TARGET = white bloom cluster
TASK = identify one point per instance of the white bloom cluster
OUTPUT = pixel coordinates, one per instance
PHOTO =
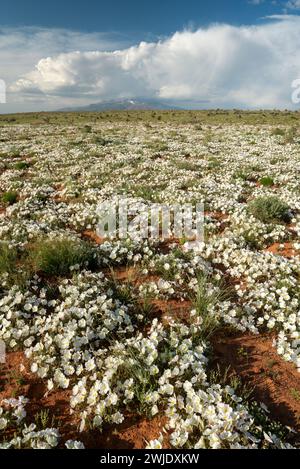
(12, 416)
(96, 336)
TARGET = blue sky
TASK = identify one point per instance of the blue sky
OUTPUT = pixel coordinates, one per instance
(135, 17)
(216, 53)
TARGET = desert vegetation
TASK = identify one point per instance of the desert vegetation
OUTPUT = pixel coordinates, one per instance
(150, 343)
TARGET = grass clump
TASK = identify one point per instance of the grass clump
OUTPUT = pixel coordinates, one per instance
(123, 290)
(12, 270)
(8, 258)
(57, 257)
(267, 181)
(43, 419)
(208, 296)
(290, 136)
(87, 129)
(21, 165)
(270, 209)
(247, 173)
(9, 198)
(187, 166)
(278, 132)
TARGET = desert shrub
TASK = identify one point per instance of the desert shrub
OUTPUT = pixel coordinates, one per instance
(242, 174)
(251, 239)
(187, 166)
(278, 132)
(8, 257)
(87, 129)
(57, 257)
(269, 209)
(9, 197)
(247, 173)
(213, 163)
(159, 146)
(290, 136)
(22, 165)
(12, 267)
(267, 181)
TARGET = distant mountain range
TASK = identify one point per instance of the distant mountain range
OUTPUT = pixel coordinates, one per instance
(142, 104)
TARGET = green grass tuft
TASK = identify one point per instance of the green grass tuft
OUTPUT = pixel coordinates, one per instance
(56, 257)
(270, 209)
(9, 197)
(267, 181)
(22, 165)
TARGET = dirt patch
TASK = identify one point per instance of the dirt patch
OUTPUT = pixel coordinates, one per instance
(92, 236)
(217, 215)
(178, 310)
(172, 309)
(123, 274)
(13, 375)
(221, 220)
(166, 246)
(133, 433)
(274, 381)
(16, 380)
(283, 249)
(273, 187)
(234, 283)
(146, 279)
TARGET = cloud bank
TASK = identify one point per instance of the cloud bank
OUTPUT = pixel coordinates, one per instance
(246, 66)
(22, 48)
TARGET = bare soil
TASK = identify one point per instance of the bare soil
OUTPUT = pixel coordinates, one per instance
(275, 382)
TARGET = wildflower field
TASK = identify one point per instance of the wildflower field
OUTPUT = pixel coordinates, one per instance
(150, 343)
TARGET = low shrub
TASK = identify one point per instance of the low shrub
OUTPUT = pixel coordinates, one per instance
(87, 129)
(278, 132)
(270, 209)
(267, 181)
(22, 165)
(8, 257)
(57, 257)
(9, 197)
(12, 268)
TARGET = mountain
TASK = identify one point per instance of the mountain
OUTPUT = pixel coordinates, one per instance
(135, 104)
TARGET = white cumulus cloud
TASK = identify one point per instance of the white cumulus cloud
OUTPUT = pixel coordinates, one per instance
(246, 66)
(22, 48)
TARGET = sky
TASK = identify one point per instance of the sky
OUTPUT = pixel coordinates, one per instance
(209, 54)
(134, 18)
